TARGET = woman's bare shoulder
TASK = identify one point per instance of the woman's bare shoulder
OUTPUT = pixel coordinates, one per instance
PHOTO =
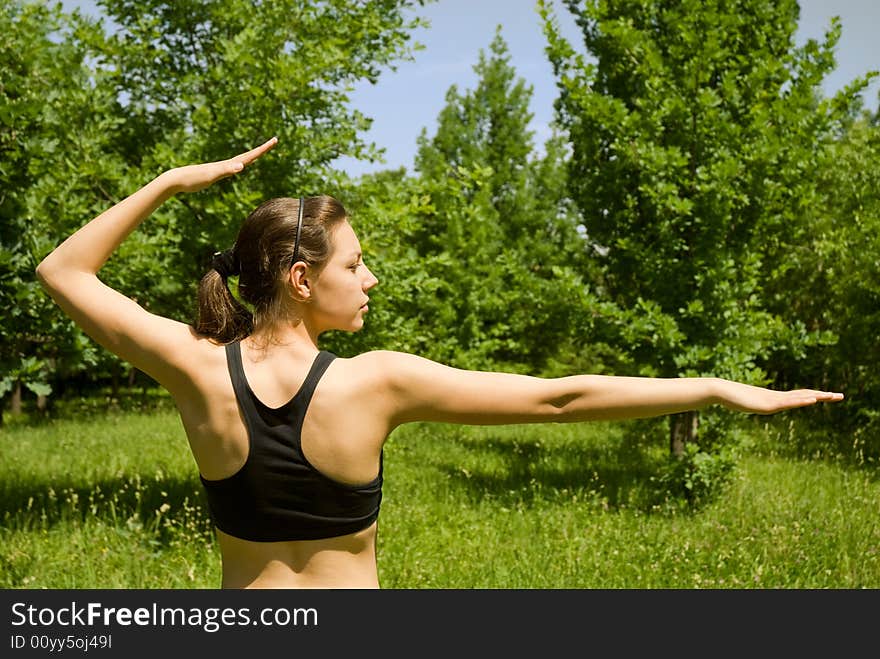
(374, 373)
(387, 365)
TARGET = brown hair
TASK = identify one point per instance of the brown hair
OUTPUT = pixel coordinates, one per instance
(262, 257)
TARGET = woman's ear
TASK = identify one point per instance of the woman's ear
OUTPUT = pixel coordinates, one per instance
(298, 279)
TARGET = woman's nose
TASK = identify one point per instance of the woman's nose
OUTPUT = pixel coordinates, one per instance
(371, 280)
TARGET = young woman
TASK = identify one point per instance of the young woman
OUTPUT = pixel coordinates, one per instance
(288, 438)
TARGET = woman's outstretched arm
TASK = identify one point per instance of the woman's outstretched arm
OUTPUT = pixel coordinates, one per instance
(417, 389)
(156, 345)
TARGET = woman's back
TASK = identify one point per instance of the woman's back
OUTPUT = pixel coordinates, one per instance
(341, 442)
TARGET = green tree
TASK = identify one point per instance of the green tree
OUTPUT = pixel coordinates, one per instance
(58, 166)
(697, 130)
(487, 126)
(501, 227)
(838, 274)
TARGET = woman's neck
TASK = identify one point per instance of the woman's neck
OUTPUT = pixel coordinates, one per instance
(290, 337)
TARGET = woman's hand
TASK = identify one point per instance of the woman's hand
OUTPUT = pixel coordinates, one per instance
(758, 400)
(193, 178)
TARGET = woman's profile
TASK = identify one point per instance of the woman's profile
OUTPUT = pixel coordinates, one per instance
(287, 437)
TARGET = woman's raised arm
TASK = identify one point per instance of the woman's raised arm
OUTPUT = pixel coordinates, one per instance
(417, 389)
(156, 345)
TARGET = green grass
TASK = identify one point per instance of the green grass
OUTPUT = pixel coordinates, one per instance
(114, 501)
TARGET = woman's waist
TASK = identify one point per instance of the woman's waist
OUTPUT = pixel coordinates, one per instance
(347, 561)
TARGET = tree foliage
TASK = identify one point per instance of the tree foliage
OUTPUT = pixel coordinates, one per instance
(697, 131)
(58, 165)
(501, 227)
(835, 280)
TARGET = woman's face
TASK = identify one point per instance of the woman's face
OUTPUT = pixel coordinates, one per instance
(339, 293)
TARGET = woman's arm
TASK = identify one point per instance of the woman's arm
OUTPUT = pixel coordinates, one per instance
(417, 389)
(156, 345)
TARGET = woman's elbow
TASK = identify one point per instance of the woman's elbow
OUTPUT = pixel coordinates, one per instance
(52, 274)
(43, 273)
(560, 402)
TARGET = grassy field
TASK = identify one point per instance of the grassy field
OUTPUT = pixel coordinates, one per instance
(114, 501)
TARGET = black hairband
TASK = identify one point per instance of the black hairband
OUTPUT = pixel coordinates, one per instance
(299, 224)
(225, 263)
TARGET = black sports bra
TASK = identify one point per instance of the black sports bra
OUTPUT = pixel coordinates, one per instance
(277, 495)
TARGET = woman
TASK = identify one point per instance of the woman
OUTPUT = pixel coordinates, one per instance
(288, 438)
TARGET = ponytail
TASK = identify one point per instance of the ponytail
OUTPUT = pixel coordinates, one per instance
(221, 316)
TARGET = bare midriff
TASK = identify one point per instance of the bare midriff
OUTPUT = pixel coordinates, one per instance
(347, 561)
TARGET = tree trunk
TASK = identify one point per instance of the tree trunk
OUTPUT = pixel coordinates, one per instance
(114, 384)
(15, 403)
(682, 430)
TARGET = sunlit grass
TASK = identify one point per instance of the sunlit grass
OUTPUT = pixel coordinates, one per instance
(115, 502)
(564, 507)
(110, 502)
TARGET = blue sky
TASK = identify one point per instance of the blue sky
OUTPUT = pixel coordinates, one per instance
(409, 99)
(404, 102)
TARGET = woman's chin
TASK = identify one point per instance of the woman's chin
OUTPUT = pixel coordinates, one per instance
(355, 324)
